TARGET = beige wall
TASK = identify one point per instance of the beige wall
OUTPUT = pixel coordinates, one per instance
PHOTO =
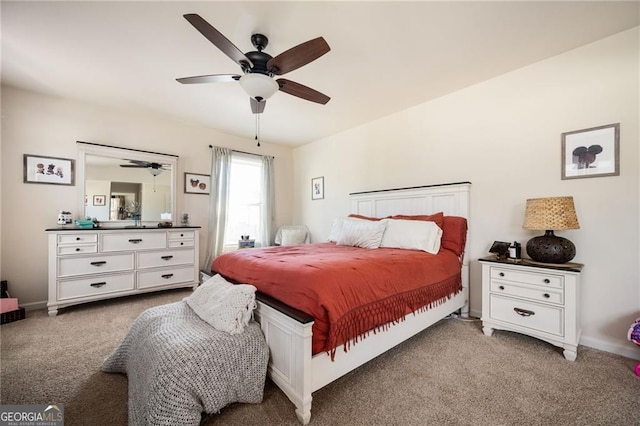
(503, 135)
(36, 124)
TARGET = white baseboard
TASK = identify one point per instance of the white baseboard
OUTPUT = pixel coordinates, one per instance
(628, 351)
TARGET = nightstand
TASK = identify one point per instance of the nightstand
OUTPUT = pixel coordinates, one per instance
(536, 299)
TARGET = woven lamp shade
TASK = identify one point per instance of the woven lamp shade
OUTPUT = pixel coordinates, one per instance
(552, 213)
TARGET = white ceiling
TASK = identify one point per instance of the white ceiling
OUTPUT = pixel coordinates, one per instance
(385, 56)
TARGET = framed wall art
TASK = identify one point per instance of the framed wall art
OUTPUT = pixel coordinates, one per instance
(49, 170)
(99, 200)
(317, 188)
(593, 152)
(195, 183)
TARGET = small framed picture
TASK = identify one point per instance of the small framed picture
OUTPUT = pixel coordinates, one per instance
(99, 200)
(593, 152)
(195, 183)
(317, 188)
(49, 170)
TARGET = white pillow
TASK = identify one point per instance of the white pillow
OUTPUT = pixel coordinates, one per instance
(225, 306)
(412, 235)
(336, 228)
(291, 237)
(361, 233)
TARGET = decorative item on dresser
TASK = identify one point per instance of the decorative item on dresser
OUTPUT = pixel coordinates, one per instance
(541, 301)
(550, 214)
(94, 264)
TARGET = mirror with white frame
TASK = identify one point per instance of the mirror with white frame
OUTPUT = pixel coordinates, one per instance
(123, 186)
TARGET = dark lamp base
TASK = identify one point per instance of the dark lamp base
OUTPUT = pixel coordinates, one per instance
(549, 248)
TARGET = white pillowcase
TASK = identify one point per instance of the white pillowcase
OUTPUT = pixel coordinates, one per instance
(361, 233)
(336, 228)
(291, 237)
(412, 235)
(225, 306)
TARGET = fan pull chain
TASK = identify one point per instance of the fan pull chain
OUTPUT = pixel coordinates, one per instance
(257, 138)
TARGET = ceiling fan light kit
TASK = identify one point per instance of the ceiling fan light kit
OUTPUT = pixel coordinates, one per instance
(258, 86)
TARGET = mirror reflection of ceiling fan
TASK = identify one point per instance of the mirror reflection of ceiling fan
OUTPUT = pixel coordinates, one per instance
(259, 67)
(154, 168)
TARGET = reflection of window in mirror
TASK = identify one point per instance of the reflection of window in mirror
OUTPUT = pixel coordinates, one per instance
(130, 189)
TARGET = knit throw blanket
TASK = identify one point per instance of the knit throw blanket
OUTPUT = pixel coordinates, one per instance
(179, 366)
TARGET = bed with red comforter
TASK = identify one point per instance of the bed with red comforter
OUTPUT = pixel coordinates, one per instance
(350, 290)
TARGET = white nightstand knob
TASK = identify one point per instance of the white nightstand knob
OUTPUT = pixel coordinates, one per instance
(524, 312)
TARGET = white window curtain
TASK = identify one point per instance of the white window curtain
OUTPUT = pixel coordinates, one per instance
(218, 201)
(268, 203)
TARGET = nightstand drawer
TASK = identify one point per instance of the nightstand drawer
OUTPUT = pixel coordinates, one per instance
(535, 293)
(534, 278)
(534, 316)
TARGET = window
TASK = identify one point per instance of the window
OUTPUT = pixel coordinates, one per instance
(245, 199)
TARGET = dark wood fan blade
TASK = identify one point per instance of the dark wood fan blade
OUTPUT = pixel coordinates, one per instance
(298, 56)
(218, 40)
(301, 91)
(213, 78)
(257, 107)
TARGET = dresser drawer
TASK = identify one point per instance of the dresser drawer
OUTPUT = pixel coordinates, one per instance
(83, 237)
(535, 293)
(180, 243)
(181, 235)
(71, 266)
(64, 250)
(134, 241)
(549, 280)
(533, 316)
(154, 259)
(163, 277)
(95, 286)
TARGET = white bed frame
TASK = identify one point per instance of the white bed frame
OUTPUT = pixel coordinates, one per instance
(292, 367)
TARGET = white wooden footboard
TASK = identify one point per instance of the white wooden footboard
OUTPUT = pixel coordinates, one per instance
(298, 374)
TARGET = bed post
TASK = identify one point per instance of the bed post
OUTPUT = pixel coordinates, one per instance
(290, 356)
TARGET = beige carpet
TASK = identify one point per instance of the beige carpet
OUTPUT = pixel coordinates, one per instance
(451, 374)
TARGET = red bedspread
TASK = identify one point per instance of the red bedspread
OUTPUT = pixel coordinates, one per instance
(348, 290)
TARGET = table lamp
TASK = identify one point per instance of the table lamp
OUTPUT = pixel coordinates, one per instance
(550, 214)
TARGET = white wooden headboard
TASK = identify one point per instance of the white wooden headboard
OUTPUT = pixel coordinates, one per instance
(451, 199)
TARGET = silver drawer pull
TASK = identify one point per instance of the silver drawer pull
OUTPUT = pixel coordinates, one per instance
(98, 285)
(99, 263)
(524, 312)
(167, 276)
(546, 281)
(135, 240)
(166, 257)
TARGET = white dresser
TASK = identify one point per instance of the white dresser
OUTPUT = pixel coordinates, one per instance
(541, 301)
(94, 264)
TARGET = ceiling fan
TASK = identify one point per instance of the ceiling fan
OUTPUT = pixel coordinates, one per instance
(154, 168)
(259, 67)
